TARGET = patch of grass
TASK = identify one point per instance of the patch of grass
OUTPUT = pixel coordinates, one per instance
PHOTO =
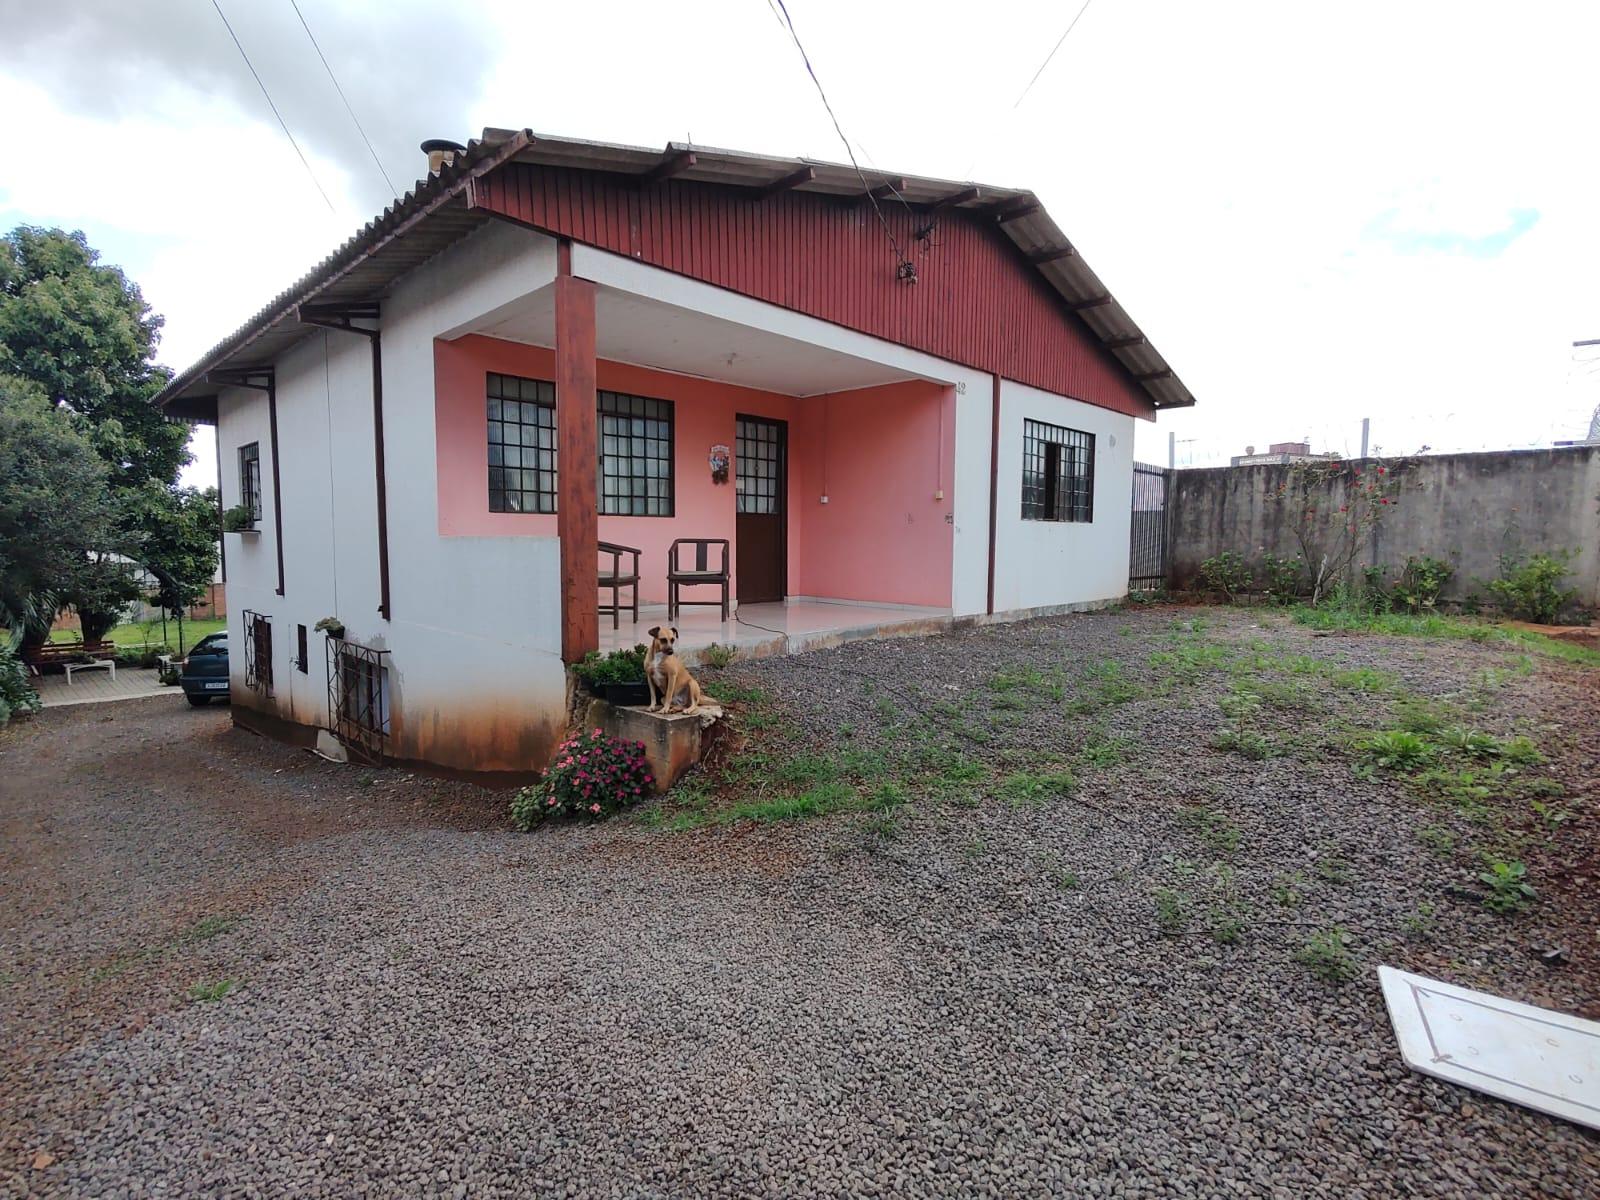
(731, 692)
(206, 993)
(1186, 661)
(819, 800)
(1100, 750)
(1067, 880)
(148, 633)
(1364, 679)
(1227, 925)
(208, 927)
(974, 849)
(1549, 816)
(1437, 625)
(1026, 787)
(1172, 911)
(1327, 956)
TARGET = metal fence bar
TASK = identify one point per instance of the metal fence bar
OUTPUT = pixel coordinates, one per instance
(1147, 558)
(358, 696)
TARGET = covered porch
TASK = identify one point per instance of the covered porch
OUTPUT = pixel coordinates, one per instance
(821, 481)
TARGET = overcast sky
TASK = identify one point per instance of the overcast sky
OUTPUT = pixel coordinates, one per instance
(1317, 212)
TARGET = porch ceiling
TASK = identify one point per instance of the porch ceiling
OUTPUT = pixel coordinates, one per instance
(649, 333)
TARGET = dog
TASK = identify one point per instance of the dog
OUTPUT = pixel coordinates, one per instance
(668, 676)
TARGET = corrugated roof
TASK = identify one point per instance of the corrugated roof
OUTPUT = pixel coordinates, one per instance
(435, 214)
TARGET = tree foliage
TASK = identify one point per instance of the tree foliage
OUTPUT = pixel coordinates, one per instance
(54, 507)
(81, 336)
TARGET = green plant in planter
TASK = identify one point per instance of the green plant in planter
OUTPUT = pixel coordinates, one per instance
(331, 626)
(238, 519)
(594, 775)
(620, 666)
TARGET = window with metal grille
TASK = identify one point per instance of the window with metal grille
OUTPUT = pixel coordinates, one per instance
(258, 651)
(758, 474)
(1057, 473)
(522, 445)
(358, 694)
(250, 480)
(635, 455)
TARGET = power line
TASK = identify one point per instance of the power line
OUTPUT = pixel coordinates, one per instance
(394, 190)
(272, 106)
(905, 269)
(1073, 25)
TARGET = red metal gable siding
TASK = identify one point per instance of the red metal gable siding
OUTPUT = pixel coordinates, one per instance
(977, 300)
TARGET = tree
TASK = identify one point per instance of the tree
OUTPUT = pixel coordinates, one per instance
(82, 334)
(54, 508)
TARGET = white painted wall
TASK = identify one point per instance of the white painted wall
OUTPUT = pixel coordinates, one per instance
(1044, 563)
(476, 675)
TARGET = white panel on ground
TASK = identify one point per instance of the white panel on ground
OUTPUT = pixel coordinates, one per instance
(1531, 1056)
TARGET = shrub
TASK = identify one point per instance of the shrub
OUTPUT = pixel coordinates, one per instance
(1421, 580)
(1531, 588)
(238, 518)
(1226, 573)
(620, 666)
(718, 656)
(1283, 577)
(593, 776)
(17, 696)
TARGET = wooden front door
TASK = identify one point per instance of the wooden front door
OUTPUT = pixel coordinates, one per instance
(761, 486)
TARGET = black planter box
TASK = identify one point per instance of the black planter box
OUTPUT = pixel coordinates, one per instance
(625, 693)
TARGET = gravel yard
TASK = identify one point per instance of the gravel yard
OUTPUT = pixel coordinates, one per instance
(1066, 966)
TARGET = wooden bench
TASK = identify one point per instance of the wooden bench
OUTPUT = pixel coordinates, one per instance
(67, 655)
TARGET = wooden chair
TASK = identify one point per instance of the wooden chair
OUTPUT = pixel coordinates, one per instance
(701, 574)
(616, 578)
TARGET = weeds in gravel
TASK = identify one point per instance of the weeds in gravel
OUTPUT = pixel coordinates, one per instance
(1327, 956)
(1101, 750)
(1437, 838)
(208, 927)
(1331, 868)
(1067, 880)
(1172, 911)
(718, 656)
(1247, 743)
(205, 993)
(1419, 925)
(1103, 685)
(1435, 625)
(1227, 925)
(1289, 891)
(1395, 750)
(1550, 817)
(1509, 889)
(1220, 835)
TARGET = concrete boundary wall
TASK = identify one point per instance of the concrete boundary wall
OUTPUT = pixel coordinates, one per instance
(1467, 509)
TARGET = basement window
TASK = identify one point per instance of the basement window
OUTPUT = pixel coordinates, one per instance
(1057, 473)
(258, 652)
(250, 480)
(358, 695)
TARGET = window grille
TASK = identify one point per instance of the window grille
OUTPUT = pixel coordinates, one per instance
(250, 480)
(258, 652)
(358, 695)
(522, 445)
(1057, 473)
(635, 455)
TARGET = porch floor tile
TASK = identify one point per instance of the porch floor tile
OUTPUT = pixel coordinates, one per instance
(758, 630)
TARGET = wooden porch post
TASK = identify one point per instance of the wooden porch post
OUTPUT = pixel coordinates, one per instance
(576, 505)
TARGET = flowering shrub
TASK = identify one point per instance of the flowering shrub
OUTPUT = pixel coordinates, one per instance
(593, 776)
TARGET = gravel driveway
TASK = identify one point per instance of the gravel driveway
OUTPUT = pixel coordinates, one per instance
(973, 1000)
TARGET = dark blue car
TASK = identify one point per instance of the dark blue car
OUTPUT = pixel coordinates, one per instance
(205, 672)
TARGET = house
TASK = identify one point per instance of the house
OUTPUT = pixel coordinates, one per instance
(925, 397)
(1279, 453)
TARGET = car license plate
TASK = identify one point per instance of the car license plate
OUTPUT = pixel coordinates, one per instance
(220, 686)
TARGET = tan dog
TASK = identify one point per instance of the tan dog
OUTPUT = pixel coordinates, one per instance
(668, 675)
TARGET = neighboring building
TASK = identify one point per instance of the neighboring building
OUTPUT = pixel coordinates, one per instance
(1278, 453)
(927, 399)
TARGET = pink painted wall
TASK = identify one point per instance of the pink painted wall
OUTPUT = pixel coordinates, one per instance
(881, 536)
(880, 455)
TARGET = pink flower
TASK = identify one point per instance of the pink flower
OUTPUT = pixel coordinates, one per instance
(550, 803)
(597, 733)
(594, 808)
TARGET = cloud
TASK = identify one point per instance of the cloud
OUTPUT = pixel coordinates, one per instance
(409, 73)
(1386, 228)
